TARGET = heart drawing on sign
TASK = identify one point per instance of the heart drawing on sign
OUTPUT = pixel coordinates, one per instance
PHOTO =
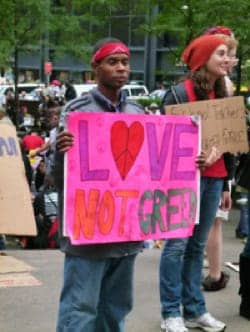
(126, 144)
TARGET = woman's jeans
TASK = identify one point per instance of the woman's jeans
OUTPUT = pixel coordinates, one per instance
(182, 259)
(246, 250)
(96, 295)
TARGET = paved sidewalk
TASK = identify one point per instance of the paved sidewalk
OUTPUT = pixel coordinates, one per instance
(34, 308)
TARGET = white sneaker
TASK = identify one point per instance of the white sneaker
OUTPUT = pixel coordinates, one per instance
(173, 324)
(206, 322)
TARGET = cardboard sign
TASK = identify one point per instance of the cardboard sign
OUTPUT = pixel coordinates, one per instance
(17, 216)
(223, 122)
(130, 177)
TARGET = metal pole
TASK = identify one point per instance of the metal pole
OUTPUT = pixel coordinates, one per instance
(150, 53)
(44, 47)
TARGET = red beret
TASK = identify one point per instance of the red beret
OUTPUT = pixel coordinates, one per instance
(197, 53)
(219, 30)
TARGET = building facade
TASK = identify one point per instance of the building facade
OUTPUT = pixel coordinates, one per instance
(150, 55)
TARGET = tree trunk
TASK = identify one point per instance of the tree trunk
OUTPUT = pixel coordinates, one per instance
(238, 77)
(16, 102)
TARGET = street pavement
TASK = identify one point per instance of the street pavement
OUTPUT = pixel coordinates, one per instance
(34, 308)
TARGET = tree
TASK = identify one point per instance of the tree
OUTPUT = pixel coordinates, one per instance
(26, 25)
(21, 29)
(188, 19)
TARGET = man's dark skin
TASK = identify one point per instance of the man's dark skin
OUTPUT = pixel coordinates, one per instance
(111, 73)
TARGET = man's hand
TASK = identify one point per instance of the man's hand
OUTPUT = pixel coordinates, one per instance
(64, 141)
(226, 201)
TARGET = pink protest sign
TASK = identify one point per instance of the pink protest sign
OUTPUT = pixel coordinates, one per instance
(130, 177)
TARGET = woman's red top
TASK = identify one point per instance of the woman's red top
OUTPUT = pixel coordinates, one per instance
(218, 169)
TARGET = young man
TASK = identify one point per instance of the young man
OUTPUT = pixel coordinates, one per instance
(97, 289)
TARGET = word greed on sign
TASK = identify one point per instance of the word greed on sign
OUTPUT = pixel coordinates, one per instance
(130, 177)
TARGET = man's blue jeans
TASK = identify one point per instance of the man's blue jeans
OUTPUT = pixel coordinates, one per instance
(96, 294)
(182, 260)
(246, 250)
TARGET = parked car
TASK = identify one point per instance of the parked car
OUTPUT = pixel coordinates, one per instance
(137, 82)
(159, 93)
(27, 87)
(133, 91)
(136, 91)
(33, 94)
(82, 89)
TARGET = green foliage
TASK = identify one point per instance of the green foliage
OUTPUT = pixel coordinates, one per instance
(74, 25)
(189, 18)
(145, 102)
(22, 23)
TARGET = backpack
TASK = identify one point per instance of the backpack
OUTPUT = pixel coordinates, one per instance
(176, 94)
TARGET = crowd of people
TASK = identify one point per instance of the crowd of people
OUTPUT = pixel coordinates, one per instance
(32, 107)
(91, 297)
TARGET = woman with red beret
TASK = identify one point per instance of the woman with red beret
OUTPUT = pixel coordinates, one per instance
(182, 259)
(217, 278)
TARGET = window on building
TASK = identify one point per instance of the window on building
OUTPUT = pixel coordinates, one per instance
(119, 28)
(136, 34)
(167, 40)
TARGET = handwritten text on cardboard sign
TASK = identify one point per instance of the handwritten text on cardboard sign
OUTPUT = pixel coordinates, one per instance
(223, 122)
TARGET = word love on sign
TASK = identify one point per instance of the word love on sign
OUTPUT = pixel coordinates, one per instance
(130, 177)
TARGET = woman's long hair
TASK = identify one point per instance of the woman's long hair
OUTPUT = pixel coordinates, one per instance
(202, 84)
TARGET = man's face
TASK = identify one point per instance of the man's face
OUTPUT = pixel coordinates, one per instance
(112, 71)
(54, 121)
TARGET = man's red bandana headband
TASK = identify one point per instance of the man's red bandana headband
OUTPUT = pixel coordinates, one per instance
(108, 49)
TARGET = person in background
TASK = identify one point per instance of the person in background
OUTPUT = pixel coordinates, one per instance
(242, 230)
(32, 140)
(70, 92)
(51, 120)
(153, 109)
(8, 103)
(40, 176)
(27, 165)
(182, 259)
(97, 291)
(216, 278)
(242, 179)
(54, 88)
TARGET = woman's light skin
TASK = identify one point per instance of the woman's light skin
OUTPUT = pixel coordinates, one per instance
(217, 64)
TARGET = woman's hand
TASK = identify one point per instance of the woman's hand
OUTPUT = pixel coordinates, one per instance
(64, 141)
(207, 159)
(226, 201)
(201, 161)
